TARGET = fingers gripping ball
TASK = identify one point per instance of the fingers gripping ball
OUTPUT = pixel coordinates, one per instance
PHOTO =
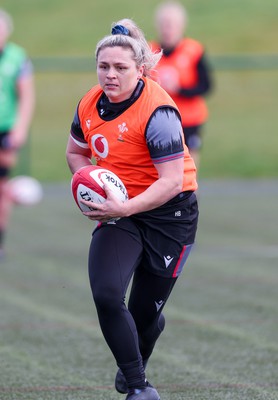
(87, 184)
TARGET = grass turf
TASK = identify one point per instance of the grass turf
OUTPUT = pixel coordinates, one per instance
(220, 340)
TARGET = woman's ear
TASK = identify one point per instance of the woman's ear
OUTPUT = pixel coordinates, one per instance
(141, 72)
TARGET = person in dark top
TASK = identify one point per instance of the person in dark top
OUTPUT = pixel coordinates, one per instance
(183, 71)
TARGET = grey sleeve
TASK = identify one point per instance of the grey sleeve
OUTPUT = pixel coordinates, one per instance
(164, 135)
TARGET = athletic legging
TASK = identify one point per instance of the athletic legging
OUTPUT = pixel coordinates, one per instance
(130, 332)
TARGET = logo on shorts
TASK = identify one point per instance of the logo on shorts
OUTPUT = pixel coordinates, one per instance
(168, 260)
(159, 304)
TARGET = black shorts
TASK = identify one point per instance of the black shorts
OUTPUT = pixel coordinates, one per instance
(192, 137)
(165, 234)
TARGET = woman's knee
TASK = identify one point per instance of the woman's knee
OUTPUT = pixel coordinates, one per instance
(107, 300)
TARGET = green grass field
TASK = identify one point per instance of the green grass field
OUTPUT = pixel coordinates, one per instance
(220, 340)
(240, 138)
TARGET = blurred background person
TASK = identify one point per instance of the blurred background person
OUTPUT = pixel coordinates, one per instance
(17, 99)
(182, 71)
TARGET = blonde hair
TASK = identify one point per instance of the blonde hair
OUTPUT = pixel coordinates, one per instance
(135, 40)
(4, 16)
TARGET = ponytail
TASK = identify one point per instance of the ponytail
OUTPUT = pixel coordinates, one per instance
(125, 33)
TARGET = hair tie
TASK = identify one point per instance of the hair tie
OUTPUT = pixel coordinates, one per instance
(120, 30)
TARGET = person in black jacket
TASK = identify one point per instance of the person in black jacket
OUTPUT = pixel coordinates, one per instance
(183, 71)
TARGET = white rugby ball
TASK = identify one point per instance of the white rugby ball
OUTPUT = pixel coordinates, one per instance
(25, 190)
(87, 184)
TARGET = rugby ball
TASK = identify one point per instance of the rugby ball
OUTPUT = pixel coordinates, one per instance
(25, 190)
(87, 184)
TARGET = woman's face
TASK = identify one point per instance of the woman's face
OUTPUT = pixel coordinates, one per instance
(170, 27)
(117, 73)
